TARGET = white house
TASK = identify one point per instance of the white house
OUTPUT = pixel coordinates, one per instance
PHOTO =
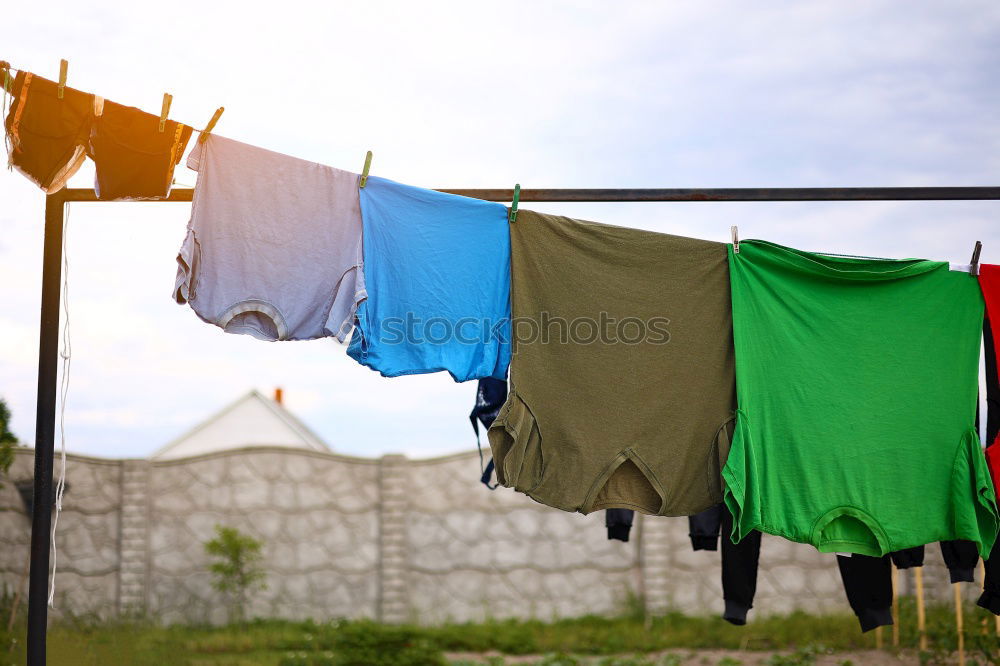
(252, 420)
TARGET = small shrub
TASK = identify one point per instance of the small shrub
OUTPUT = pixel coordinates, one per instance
(7, 440)
(237, 569)
(367, 643)
(982, 645)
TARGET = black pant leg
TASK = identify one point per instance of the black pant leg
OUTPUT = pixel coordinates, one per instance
(909, 557)
(703, 528)
(961, 557)
(619, 523)
(491, 393)
(739, 571)
(992, 386)
(868, 584)
(990, 598)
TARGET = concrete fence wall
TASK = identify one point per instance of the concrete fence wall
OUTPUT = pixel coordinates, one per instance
(390, 538)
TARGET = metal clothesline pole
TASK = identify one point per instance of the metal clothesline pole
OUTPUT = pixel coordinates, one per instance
(48, 340)
(677, 195)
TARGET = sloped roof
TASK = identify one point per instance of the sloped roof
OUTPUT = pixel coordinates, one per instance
(252, 420)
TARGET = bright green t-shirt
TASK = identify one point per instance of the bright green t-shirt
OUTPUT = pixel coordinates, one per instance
(857, 386)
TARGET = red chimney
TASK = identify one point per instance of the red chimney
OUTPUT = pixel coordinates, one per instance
(277, 395)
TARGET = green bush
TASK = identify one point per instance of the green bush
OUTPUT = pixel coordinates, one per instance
(366, 643)
(7, 442)
(982, 645)
(237, 569)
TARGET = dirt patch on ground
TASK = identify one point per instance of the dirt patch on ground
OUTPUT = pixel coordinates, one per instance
(715, 658)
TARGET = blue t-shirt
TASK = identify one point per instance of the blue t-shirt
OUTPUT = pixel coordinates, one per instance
(437, 269)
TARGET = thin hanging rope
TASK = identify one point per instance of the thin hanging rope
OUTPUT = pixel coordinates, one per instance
(67, 356)
(8, 100)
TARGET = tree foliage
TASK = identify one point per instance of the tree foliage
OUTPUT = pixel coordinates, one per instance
(7, 439)
(237, 569)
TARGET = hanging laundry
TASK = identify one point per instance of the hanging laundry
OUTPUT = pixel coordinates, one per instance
(703, 528)
(990, 598)
(739, 572)
(48, 136)
(836, 357)
(961, 558)
(438, 272)
(868, 580)
(868, 584)
(273, 248)
(989, 281)
(739, 560)
(622, 385)
(992, 400)
(490, 396)
(740, 564)
(618, 523)
(908, 557)
(134, 159)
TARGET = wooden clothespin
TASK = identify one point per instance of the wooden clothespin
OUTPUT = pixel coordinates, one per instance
(735, 233)
(974, 264)
(63, 66)
(211, 125)
(512, 217)
(364, 172)
(5, 80)
(167, 99)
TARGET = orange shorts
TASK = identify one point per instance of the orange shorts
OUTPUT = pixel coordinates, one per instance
(134, 159)
(49, 135)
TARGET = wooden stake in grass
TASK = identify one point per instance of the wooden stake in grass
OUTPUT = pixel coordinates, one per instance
(878, 638)
(895, 606)
(958, 623)
(918, 572)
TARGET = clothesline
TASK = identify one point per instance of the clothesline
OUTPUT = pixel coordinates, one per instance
(652, 194)
(644, 194)
(48, 347)
(598, 195)
(7, 86)
(50, 301)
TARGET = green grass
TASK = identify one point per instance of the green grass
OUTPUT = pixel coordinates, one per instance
(364, 643)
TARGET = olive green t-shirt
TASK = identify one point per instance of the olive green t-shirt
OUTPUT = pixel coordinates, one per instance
(857, 382)
(622, 380)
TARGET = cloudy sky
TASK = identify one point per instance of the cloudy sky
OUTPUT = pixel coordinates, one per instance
(485, 94)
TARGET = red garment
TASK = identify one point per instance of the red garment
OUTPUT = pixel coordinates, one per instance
(993, 462)
(989, 282)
